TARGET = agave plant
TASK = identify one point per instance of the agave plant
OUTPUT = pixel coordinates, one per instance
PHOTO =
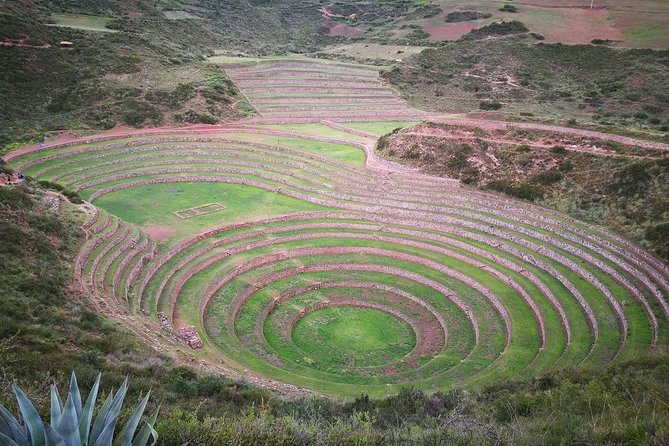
(70, 424)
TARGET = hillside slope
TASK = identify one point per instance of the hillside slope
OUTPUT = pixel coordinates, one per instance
(523, 80)
(602, 181)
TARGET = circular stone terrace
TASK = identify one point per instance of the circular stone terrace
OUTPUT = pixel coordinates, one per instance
(314, 265)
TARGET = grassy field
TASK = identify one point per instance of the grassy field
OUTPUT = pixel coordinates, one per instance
(379, 128)
(83, 22)
(624, 22)
(373, 52)
(154, 205)
(362, 336)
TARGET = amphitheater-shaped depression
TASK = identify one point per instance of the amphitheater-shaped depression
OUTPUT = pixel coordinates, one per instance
(324, 268)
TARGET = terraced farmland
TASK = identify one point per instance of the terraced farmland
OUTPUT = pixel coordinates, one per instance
(306, 91)
(328, 269)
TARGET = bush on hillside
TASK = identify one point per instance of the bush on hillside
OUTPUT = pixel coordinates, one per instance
(659, 237)
(466, 16)
(508, 8)
(546, 177)
(497, 29)
(525, 191)
(490, 105)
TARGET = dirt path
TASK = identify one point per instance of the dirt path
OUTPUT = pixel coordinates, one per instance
(571, 148)
(495, 125)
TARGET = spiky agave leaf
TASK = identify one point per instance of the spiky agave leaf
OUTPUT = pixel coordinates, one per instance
(68, 427)
(16, 432)
(7, 441)
(6, 421)
(107, 435)
(110, 416)
(56, 406)
(147, 430)
(75, 395)
(53, 438)
(98, 424)
(87, 412)
(31, 418)
(125, 437)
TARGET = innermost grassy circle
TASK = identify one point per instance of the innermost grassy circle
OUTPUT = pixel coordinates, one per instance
(352, 336)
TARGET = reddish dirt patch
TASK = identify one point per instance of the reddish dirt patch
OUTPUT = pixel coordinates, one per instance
(344, 30)
(326, 13)
(160, 233)
(638, 80)
(64, 137)
(449, 32)
(23, 43)
(134, 15)
(121, 128)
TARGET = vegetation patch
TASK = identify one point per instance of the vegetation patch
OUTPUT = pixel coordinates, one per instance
(497, 29)
(466, 16)
(570, 81)
(363, 337)
(83, 22)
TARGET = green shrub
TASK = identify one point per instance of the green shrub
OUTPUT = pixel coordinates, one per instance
(418, 34)
(652, 109)
(72, 196)
(466, 16)
(633, 178)
(413, 153)
(60, 103)
(546, 177)
(659, 236)
(508, 8)
(50, 185)
(497, 29)
(558, 150)
(425, 11)
(457, 163)
(136, 113)
(182, 93)
(525, 191)
(490, 105)
(566, 166)
(126, 64)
